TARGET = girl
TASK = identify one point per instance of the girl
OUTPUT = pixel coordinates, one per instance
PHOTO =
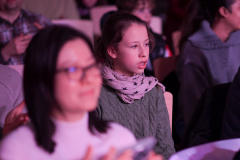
(61, 86)
(127, 96)
(210, 46)
(143, 10)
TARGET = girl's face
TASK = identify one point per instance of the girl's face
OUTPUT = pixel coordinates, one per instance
(77, 81)
(143, 11)
(131, 55)
(233, 18)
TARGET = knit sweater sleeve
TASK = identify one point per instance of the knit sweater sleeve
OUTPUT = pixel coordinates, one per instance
(165, 144)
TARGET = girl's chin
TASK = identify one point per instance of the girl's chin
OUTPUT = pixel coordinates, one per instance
(140, 71)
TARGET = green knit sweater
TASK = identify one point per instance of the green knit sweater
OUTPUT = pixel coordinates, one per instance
(145, 117)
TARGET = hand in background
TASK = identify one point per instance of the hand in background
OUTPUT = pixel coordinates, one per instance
(15, 118)
(111, 155)
(16, 46)
(154, 156)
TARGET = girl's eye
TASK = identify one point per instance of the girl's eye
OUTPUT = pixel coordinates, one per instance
(134, 46)
(147, 44)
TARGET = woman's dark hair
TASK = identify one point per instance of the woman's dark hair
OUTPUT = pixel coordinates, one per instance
(199, 10)
(112, 33)
(130, 5)
(39, 72)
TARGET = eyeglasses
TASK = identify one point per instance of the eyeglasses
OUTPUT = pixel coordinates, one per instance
(78, 73)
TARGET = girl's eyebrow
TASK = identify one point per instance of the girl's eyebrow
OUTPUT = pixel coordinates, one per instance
(133, 42)
(138, 41)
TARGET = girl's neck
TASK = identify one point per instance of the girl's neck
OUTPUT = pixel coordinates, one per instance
(222, 29)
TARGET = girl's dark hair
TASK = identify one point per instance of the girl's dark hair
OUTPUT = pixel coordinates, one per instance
(38, 81)
(112, 33)
(199, 10)
(130, 5)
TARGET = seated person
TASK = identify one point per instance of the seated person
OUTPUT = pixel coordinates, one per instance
(62, 83)
(127, 96)
(84, 7)
(142, 9)
(231, 118)
(53, 9)
(16, 30)
(11, 93)
(210, 45)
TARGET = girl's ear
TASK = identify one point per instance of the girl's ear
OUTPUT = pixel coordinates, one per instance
(224, 11)
(111, 51)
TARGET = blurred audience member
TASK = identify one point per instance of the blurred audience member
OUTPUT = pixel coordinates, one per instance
(11, 93)
(53, 9)
(62, 83)
(210, 46)
(175, 16)
(142, 9)
(231, 118)
(16, 30)
(84, 7)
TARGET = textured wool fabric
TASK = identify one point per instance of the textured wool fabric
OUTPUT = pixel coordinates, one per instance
(11, 93)
(72, 140)
(129, 88)
(145, 117)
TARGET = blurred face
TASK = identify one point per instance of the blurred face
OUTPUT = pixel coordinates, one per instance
(233, 18)
(143, 11)
(89, 3)
(77, 81)
(131, 55)
(9, 5)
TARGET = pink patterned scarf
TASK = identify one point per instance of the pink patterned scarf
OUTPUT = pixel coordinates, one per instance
(129, 88)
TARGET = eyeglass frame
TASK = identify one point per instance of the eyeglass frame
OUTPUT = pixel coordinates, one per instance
(84, 70)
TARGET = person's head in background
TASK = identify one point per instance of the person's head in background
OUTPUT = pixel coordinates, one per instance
(89, 3)
(61, 80)
(10, 6)
(140, 8)
(125, 43)
(217, 12)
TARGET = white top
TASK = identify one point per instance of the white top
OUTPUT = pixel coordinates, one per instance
(72, 140)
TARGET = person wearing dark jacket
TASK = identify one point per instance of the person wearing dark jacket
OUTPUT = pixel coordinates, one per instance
(231, 118)
(210, 45)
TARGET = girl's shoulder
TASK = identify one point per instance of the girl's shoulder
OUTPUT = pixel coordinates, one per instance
(107, 91)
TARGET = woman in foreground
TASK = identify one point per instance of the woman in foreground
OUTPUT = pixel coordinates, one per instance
(62, 84)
